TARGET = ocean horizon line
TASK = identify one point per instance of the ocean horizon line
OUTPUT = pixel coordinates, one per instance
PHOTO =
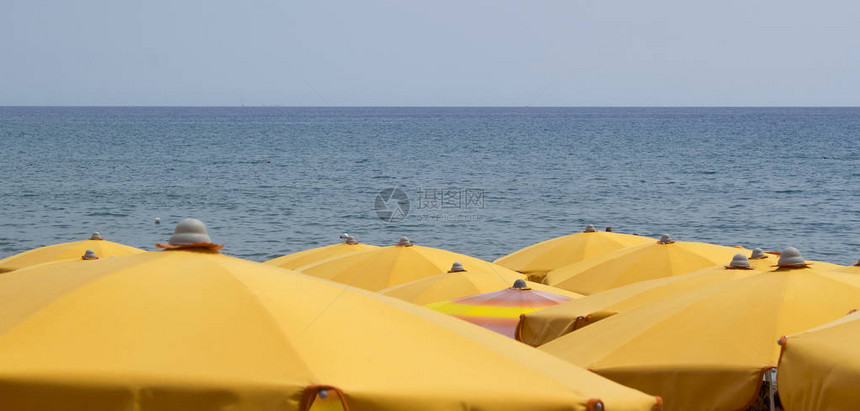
(425, 106)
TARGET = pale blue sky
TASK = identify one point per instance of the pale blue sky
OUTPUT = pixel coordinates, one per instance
(451, 53)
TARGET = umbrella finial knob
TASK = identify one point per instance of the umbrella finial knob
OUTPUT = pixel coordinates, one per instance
(348, 239)
(791, 257)
(589, 229)
(404, 242)
(89, 255)
(594, 404)
(857, 264)
(457, 268)
(608, 229)
(96, 236)
(520, 284)
(739, 261)
(665, 239)
(757, 254)
(189, 231)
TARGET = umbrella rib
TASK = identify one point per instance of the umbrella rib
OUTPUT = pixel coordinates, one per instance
(342, 291)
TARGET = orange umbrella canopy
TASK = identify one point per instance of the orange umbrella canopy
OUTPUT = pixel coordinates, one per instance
(499, 311)
(295, 260)
(538, 259)
(67, 251)
(189, 328)
(401, 263)
(709, 348)
(657, 259)
(540, 327)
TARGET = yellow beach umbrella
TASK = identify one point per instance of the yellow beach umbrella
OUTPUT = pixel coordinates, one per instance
(191, 329)
(854, 269)
(658, 259)
(541, 327)
(458, 282)
(67, 251)
(404, 262)
(819, 369)
(314, 255)
(708, 349)
(499, 311)
(538, 259)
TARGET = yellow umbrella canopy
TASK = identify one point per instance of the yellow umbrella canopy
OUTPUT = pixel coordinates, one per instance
(538, 259)
(401, 263)
(191, 329)
(708, 349)
(458, 282)
(657, 259)
(499, 311)
(540, 327)
(854, 269)
(67, 251)
(301, 258)
(819, 369)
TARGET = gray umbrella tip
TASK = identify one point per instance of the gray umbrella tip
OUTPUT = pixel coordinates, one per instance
(665, 239)
(89, 255)
(457, 268)
(348, 239)
(791, 257)
(520, 284)
(96, 236)
(739, 261)
(589, 229)
(757, 254)
(404, 242)
(190, 231)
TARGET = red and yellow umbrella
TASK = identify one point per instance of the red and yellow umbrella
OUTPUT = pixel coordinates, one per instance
(500, 311)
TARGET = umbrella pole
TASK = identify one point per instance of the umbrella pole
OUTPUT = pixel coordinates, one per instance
(771, 379)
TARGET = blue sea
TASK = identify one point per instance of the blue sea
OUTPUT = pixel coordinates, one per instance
(481, 181)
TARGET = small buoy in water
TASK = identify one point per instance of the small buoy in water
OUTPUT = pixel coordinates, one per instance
(157, 220)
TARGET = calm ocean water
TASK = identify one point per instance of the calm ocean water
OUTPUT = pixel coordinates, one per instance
(481, 181)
